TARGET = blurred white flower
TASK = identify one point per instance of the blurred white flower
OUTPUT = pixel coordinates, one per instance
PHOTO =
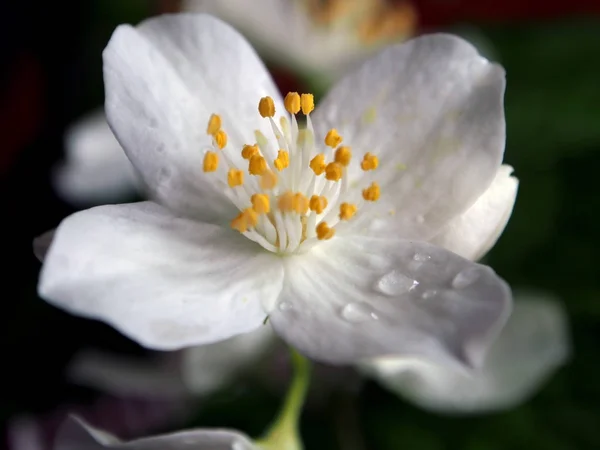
(332, 248)
(78, 435)
(532, 346)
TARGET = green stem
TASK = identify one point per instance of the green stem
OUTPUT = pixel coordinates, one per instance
(284, 432)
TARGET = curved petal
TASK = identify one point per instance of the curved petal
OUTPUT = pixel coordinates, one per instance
(163, 80)
(41, 244)
(207, 368)
(474, 233)
(432, 110)
(76, 434)
(359, 298)
(164, 281)
(531, 347)
(124, 376)
(95, 169)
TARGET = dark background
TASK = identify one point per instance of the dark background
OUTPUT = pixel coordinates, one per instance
(51, 75)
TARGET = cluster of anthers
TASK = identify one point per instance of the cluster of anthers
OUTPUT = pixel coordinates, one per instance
(295, 195)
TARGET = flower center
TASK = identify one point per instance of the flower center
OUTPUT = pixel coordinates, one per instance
(295, 191)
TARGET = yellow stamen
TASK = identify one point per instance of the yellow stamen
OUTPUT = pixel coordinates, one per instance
(257, 165)
(317, 164)
(266, 107)
(369, 162)
(333, 171)
(286, 202)
(347, 210)
(221, 139)
(300, 203)
(211, 162)
(235, 177)
(343, 155)
(372, 193)
(249, 151)
(248, 218)
(292, 102)
(268, 180)
(282, 161)
(333, 139)
(307, 102)
(260, 203)
(214, 124)
(324, 232)
(318, 203)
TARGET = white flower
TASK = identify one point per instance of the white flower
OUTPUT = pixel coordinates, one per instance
(76, 434)
(210, 259)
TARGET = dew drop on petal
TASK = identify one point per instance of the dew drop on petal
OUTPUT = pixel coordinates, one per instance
(421, 257)
(429, 293)
(395, 283)
(465, 278)
(285, 306)
(358, 312)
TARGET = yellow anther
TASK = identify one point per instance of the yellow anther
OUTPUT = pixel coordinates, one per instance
(307, 101)
(235, 177)
(268, 180)
(318, 203)
(292, 102)
(372, 193)
(300, 203)
(248, 218)
(369, 162)
(261, 203)
(285, 203)
(324, 232)
(214, 124)
(220, 138)
(211, 162)
(257, 165)
(333, 171)
(266, 107)
(249, 151)
(333, 139)
(343, 155)
(282, 161)
(347, 210)
(317, 164)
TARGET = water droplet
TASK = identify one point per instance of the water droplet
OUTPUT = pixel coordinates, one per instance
(394, 283)
(358, 312)
(429, 293)
(465, 278)
(285, 306)
(421, 257)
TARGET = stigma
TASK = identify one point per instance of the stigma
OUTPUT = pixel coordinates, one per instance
(291, 189)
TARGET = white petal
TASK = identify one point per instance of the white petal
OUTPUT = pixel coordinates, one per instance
(124, 376)
(166, 282)
(432, 110)
(95, 169)
(41, 244)
(207, 368)
(163, 80)
(474, 233)
(531, 347)
(76, 434)
(358, 298)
